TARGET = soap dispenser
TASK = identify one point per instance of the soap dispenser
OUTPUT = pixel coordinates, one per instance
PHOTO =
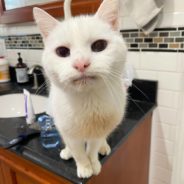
(21, 71)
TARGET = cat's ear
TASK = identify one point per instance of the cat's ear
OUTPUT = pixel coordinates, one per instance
(45, 22)
(108, 11)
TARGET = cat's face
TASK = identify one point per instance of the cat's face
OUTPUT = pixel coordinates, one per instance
(83, 53)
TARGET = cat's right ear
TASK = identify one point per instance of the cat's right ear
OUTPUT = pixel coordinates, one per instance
(45, 22)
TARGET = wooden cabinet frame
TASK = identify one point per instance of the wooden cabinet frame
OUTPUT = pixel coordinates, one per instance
(24, 14)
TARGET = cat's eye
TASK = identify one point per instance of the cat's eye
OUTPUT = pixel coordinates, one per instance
(63, 51)
(99, 45)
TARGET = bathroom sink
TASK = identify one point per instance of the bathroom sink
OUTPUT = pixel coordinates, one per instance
(12, 105)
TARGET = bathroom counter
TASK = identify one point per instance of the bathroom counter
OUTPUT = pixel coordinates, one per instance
(140, 106)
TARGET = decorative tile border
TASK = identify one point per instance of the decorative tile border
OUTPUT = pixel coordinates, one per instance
(24, 42)
(161, 39)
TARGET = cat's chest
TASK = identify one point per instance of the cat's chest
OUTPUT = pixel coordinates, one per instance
(88, 117)
(93, 122)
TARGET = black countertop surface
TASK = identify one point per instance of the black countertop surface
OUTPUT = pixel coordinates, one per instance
(137, 110)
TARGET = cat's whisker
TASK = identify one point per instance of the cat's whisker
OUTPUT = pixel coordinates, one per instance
(136, 104)
(117, 76)
(111, 89)
(108, 87)
(118, 85)
(41, 90)
(141, 92)
(40, 87)
(44, 86)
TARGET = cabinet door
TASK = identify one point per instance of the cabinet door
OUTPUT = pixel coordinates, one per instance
(1, 175)
(130, 162)
(16, 170)
(23, 179)
(7, 174)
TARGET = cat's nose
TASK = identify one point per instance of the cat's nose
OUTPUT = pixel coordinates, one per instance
(81, 64)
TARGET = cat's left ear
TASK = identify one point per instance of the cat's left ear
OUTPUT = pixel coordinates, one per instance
(45, 22)
(109, 11)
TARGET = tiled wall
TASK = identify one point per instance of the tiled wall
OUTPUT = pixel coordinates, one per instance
(33, 41)
(168, 69)
(162, 39)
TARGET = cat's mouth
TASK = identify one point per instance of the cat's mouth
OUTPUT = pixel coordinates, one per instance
(84, 79)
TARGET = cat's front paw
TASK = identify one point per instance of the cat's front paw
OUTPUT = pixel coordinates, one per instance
(96, 165)
(65, 154)
(105, 149)
(84, 171)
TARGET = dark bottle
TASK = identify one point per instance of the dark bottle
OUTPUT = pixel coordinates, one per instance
(21, 71)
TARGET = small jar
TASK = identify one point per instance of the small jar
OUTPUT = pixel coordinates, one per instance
(4, 70)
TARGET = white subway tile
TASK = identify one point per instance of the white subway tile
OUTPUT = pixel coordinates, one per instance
(155, 181)
(165, 131)
(180, 67)
(22, 29)
(174, 6)
(170, 81)
(163, 161)
(11, 30)
(127, 22)
(168, 19)
(164, 147)
(172, 19)
(168, 6)
(163, 175)
(124, 11)
(34, 56)
(166, 115)
(169, 98)
(133, 58)
(27, 29)
(3, 30)
(149, 75)
(159, 61)
(2, 47)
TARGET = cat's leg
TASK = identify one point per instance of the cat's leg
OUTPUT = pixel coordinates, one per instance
(93, 147)
(105, 148)
(65, 153)
(77, 148)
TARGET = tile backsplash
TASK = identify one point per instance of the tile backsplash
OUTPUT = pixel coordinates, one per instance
(33, 41)
(161, 39)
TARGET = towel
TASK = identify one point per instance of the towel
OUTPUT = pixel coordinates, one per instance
(145, 13)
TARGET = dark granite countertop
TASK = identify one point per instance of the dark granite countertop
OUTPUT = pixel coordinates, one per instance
(140, 104)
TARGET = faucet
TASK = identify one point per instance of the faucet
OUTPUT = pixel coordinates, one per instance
(33, 70)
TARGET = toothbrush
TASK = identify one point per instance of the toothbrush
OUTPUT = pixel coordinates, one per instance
(23, 138)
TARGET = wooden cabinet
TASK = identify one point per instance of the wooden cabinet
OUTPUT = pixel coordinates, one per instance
(129, 164)
(16, 170)
(25, 14)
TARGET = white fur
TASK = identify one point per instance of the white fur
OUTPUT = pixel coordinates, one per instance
(85, 113)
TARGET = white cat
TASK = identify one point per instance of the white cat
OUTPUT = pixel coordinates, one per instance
(84, 58)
